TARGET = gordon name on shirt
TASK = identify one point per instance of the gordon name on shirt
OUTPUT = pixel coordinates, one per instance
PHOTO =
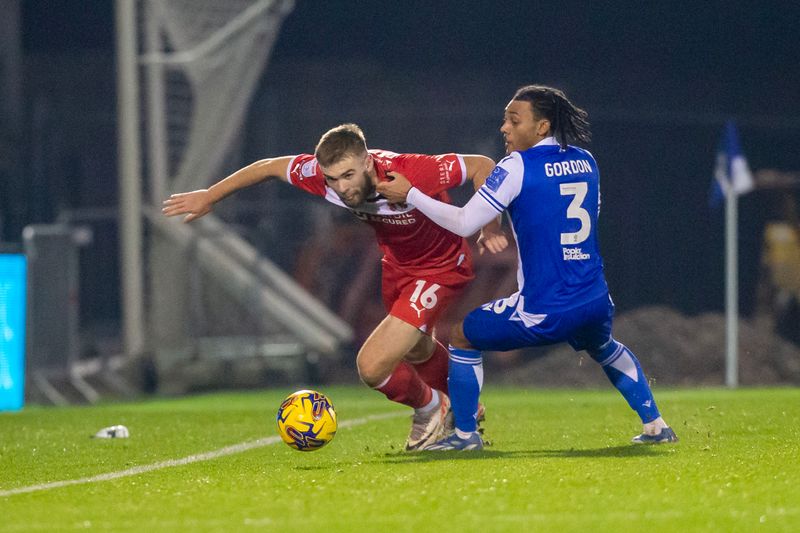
(565, 168)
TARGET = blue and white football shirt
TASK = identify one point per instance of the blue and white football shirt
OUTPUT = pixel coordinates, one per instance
(553, 200)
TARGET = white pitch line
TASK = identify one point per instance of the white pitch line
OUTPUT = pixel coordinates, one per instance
(206, 456)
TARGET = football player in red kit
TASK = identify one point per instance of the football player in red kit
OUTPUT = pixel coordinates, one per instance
(424, 267)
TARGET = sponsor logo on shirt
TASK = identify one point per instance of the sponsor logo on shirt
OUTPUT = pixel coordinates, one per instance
(575, 254)
(404, 219)
(496, 178)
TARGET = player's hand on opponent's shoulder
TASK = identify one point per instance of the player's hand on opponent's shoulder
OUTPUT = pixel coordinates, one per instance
(492, 239)
(395, 190)
(193, 204)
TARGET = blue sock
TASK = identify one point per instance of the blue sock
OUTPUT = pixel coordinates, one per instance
(626, 374)
(464, 382)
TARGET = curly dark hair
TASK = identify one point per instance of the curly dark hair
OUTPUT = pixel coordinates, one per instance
(568, 123)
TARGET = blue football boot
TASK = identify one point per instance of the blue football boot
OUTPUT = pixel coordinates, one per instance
(454, 442)
(666, 435)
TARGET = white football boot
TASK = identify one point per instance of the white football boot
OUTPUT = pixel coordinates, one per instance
(428, 427)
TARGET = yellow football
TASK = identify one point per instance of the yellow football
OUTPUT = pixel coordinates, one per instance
(306, 420)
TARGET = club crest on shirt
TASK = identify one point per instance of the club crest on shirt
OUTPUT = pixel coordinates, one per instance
(496, 178)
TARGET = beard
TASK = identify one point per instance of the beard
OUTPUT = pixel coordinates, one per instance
(359, 196)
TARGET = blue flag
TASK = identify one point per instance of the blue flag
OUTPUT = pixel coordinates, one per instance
(731, 173)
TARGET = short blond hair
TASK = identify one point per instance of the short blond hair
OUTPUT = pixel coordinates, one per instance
(340, 142)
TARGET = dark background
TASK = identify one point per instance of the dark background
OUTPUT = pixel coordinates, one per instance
(658, 81)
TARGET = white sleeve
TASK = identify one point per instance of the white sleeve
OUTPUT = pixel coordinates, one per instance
(462, 221)
(463, 165)
(504, 183)
(501, 187)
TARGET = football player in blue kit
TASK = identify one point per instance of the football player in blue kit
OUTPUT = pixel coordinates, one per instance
(551, 192)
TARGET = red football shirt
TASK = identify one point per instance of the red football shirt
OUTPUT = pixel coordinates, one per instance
(409, 240)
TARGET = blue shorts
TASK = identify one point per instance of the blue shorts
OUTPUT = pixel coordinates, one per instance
(497, 326)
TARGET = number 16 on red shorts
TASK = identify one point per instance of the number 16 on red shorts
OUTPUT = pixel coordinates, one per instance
(421, 300)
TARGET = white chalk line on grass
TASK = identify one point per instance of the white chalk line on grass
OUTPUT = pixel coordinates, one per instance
(196, 458)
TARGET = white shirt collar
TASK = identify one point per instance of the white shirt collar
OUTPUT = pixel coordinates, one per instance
(547, 141)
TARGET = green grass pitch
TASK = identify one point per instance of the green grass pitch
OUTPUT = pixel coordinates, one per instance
(559, 461)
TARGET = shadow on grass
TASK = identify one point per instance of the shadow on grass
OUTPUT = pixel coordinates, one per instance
(488, 453)
(403, 457)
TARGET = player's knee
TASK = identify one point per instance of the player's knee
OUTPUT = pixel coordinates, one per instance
(458, 339)
(371, 372)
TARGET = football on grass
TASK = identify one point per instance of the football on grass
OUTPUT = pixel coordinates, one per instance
(306, 420)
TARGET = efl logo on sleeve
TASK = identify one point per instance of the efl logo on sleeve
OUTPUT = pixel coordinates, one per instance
(309, 168)
(496, 178)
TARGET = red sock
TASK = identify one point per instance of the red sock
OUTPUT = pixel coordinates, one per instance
(405, 386)
(434, 370)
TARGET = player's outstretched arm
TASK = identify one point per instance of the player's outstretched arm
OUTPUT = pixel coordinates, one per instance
(197, 203)
(464, 221)
(492, 237)
(478, 168)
